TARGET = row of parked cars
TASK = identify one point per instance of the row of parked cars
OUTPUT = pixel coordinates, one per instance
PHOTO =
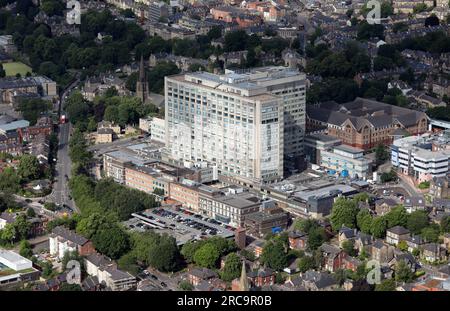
(205, 229)
(204, 218)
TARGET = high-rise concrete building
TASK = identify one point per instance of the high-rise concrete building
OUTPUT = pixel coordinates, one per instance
(245, 122)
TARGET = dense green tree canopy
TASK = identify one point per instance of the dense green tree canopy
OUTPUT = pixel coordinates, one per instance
(113, 242)
(207, 256)
(232, 268)
(343, 213)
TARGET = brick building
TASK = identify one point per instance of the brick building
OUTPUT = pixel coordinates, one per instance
(364, 123)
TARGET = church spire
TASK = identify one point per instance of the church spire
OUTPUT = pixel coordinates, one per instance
(141, 83)
(243, 282)
(141, 69)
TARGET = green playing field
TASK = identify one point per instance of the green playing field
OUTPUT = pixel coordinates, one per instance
(12, 69)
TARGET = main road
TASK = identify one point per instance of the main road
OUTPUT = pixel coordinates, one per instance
(63, 169)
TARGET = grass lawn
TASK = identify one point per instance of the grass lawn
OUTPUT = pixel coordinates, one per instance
(12, 69)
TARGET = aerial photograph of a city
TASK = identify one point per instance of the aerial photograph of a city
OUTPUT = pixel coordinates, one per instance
(232, 146)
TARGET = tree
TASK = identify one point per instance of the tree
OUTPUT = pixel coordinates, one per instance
(417, 221)
(431, 233)
(343, 213)
(349, 247)
(431, 21)
(364, 220)
(381, 154)
(9, 180)
(367, 31)
(397, 217)
(2, 71)
(306, 263)
(164, 254)
(31, 213)
(305, 225)
(207, 256)
(249, 255)
(29, 168)
(340, 275)
(47, 269)
(232, 268)
(236, 41)
(113, 242)
(402, 245)
(52, 7)
(6, 201)
(186, 286)
(78, 109)
(387, 285)
(387, 177)
(274, 255)
(25, 249)
(419, 8)
(66, 287)
(159, 251)
(50, 206)
(188, 250)
(382, 63)
(157, 74)
(22, 227)
(316, 237)
(8, 233)
(128, 263)
(379, 226)
(403, 272)
(445, 224)
(34, 108)
(215, 32)
(95, 222)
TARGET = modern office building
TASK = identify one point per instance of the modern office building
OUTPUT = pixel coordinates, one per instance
(422, 157)
(316, 143)
(245, 122)
(346, 161)
(229, 208)
(15, 268)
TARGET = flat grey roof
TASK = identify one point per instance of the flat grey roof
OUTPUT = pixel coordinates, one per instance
(241, 200)
(304, 195)
(322, 137)
(124, 156)
(12, 257)
(14, 125)
(349, 149)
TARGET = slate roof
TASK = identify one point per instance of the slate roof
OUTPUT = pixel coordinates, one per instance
(366, 239)
(90, 283)
(399, 230)
(387, 201)
(320, 279)
(261, 273)
(362, 110)
(347, 232)
(432, 247)
(329, 249)
(70, 235)
(203, 273)
(415, 201)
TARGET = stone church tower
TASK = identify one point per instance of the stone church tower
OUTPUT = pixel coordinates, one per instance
(142, 83)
